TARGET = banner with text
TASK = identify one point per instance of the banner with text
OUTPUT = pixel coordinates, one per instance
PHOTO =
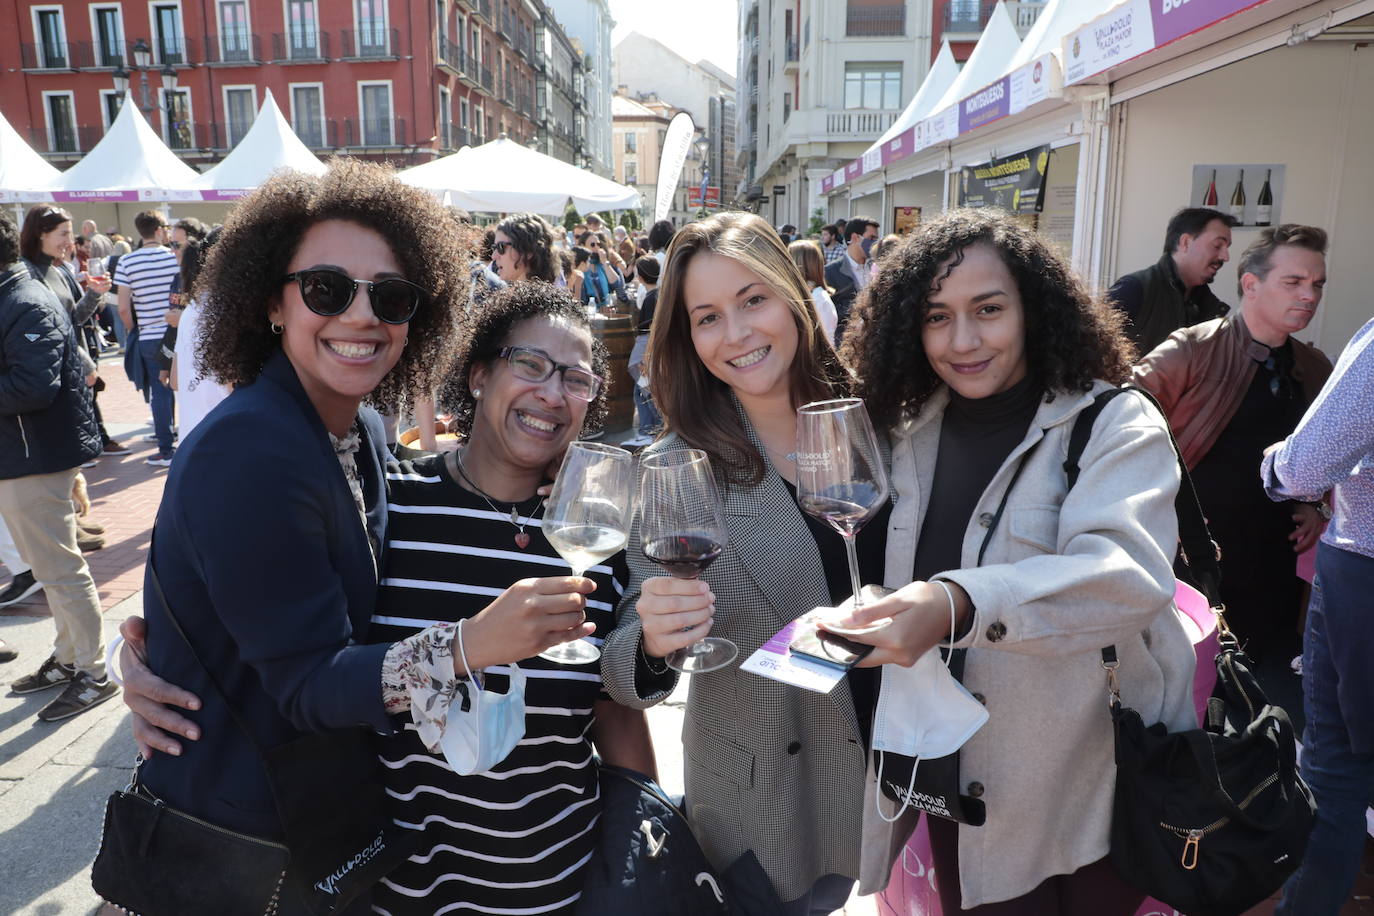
(1013, 183)
(676, 142)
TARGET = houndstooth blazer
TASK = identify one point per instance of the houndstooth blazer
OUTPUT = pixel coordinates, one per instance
(770, 768)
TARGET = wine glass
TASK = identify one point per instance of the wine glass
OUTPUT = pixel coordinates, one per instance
(840, 474)
(587, 519)
(682, 529)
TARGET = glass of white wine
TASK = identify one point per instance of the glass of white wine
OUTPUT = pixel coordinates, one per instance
(587, 519)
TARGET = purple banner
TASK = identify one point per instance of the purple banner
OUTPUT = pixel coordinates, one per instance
(76, 197)
(853, 170)
(827, 184)
(1175, 18)
(900, 146)
(233, 194)
(987, 105)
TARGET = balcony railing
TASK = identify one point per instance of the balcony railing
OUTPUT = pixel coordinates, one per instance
(374, 132)
(179, 52)
(970, 17)
(236, 47)
(99, 55)
(875, 20)
(525, 102)
(453, 136)
(300, 46)
(65, 138)
(50, 55)
(370, 44)
(486, 79)
(317, 134)
(482, 8)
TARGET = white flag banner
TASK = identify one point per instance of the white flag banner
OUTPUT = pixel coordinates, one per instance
(673, 156)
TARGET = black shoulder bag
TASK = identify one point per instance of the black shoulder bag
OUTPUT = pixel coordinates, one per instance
(1211, 820)
(339, 835)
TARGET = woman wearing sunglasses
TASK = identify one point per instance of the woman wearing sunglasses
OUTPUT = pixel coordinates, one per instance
(522, 249)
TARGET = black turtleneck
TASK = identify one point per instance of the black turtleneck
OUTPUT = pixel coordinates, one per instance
(976, 436)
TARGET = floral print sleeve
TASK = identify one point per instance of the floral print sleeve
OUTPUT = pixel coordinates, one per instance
(418, 674)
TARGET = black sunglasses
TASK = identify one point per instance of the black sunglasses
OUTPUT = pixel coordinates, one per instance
(500, 247)
(329, 292)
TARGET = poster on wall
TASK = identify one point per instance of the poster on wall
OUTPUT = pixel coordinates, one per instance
(1251, 192)
(904, 219)
(1013, 183)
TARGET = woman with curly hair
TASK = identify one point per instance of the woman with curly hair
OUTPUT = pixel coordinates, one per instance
(735, 348)
(522, 249)
(321, 293)
(979, 347)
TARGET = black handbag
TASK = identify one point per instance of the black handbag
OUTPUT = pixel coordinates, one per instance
(647, 861)
(339, 835)
(1211, 820)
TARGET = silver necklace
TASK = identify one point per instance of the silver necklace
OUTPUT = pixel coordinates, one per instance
(522, 537)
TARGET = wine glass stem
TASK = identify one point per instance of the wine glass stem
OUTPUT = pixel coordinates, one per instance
(853, 553)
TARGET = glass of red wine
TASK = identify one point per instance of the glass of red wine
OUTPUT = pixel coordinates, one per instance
(840, 475)
(682, 529)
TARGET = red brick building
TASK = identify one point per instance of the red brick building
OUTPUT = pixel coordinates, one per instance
(405, 80)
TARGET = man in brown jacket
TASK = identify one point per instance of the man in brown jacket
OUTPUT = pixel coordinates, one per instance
(1229, 387)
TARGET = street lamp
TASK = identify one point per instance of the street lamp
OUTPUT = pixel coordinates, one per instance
(703, 148)
(143, 62)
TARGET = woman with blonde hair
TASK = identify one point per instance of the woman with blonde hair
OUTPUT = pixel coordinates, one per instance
(735, 348)
(810, 260)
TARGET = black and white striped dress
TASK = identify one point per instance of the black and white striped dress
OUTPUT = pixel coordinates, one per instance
(514, 840)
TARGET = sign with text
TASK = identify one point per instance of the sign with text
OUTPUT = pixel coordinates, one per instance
(986, 105)
(1125, 32)
(1013, 183)
(712, 198)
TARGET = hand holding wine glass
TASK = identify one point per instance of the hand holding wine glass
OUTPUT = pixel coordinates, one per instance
(587, 520)
(840, 475)
(682, 529)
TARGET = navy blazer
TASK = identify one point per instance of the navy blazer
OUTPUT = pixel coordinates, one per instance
(840, 278)
(261, 553)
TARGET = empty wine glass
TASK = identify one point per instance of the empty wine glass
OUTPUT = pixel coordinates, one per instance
(587, 519)
(682, 529)
(840, 475)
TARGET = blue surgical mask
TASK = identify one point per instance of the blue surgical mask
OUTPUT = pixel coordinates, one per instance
(866, 245)
(480, 736)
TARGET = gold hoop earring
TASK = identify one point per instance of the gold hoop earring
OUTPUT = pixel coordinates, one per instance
(276, 328)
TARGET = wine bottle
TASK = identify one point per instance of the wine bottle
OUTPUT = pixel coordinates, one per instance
(1264, 204)
(1238, 199)
(1210, 198)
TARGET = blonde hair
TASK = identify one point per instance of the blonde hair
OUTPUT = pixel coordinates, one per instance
(695, 404)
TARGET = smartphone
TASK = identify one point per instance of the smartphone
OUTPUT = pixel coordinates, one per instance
(827, 648)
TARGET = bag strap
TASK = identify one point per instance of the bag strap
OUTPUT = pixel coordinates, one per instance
(1201, 746)
(1002, 505)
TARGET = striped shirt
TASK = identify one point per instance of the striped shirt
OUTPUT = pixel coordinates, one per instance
(148, 272)
(515, 839)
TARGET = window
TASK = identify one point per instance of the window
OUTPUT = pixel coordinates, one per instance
(631, 172)
(631, 141)
(60, 112)
(51, 37)
(176, 118)
(109, 36)
(307, 114)
(303, 29)
(233, 30)
(239, 108)
(167, 34)
(441, 17)
(786, 106)
(445, 118)
(372, 37)
(873, 85)
(463, 114)
(374, 101)
(110, 103)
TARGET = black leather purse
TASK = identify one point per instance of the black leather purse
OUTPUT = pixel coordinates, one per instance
(1211, 820)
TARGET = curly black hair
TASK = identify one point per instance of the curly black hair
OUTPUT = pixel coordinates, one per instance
(9, 240)
(490, 331)
(241, 278)
(533, 239)
(1072, 336)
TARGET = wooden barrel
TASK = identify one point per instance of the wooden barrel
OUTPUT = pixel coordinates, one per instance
(618, 336)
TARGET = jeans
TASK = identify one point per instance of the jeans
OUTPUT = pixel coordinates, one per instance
(828, 895)
(162, 398)
(1341, 778)
(649, 420)
(121, 333)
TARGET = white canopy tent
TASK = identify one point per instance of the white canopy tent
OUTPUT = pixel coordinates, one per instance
(130, 163)
(942, 75)
(24, 175)
(505, 177)
(988, 61)
(269, 145)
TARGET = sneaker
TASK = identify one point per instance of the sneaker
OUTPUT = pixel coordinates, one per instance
(51, 673)
(6, 653)
(81, 694)
(90, 527)
(151, 437)
(21, 586)
(116, 448)
(88, 542)
(161, 459)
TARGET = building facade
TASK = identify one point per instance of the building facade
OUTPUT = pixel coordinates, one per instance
(638, 129)
(819, 82)
(588, 23)
(647, 67)
(401, 80)
(961, 22)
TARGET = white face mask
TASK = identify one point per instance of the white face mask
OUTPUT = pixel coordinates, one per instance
(478, 739)
(923, 713)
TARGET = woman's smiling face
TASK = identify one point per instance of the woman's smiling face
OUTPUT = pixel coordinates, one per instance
(974, 326)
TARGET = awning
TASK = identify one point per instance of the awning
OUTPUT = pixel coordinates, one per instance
(24, 175)
(269, 145)
(130, 163)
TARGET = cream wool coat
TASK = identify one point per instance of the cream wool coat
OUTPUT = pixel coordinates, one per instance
(1065, 574)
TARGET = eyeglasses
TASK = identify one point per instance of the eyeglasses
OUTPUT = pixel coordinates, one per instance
(500, 247)
(330, 292)
(535, 366)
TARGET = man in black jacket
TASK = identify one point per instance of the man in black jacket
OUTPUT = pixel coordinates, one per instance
(1173, 293)
(849, 274)
(47, 429)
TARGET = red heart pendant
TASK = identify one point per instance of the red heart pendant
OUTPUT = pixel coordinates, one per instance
(522, 540)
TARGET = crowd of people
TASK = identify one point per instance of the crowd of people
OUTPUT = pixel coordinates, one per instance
(393, 589)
